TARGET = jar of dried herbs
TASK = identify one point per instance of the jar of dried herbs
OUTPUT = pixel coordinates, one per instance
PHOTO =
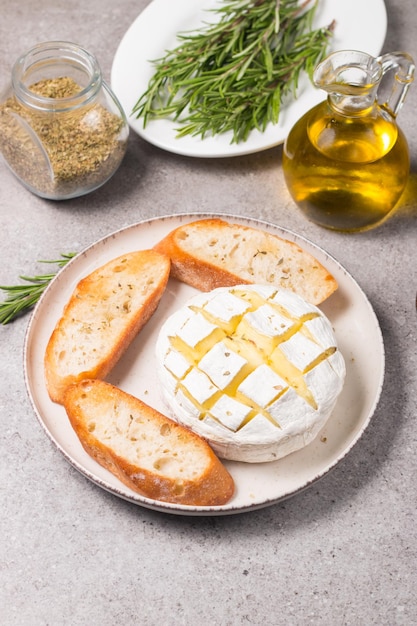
(63, 132)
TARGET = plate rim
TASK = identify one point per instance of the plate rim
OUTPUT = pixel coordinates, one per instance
(217, 147)
(191, 510)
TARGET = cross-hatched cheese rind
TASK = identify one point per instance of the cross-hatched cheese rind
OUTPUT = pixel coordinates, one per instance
(189, 408)
(198, 385)
(260, 387)
(318, 379)
(258, 426)
(300, 351)
(221, 365)
(263, 377)
(337, 362)
(268, 322)
(170, 382)
(229, 412)
(195, 329)
(267, 292)
(291, 411)
(227, 307)
(176, 363)
(293, 304)
(320, 332)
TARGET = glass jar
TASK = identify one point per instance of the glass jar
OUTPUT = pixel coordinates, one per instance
(63, 132)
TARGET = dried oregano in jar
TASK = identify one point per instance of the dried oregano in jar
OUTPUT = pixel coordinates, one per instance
(62, 131)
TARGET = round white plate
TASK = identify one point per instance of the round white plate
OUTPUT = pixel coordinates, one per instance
(357, 331)
(360, 25)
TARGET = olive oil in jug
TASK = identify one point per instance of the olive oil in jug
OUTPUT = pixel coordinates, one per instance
(346, 162)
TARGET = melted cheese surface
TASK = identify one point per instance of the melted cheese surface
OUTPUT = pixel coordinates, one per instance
(253, 369)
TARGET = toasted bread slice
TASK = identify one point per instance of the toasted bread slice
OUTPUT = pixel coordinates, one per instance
(105, 312)
(212, 253)
(147, 451)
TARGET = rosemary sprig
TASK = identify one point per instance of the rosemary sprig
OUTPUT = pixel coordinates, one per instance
(234, 75)
(21, 298)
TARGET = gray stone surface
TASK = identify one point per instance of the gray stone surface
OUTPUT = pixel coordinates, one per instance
(71, 554)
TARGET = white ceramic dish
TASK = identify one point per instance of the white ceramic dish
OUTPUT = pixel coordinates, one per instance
(357, 331)
(360, 25)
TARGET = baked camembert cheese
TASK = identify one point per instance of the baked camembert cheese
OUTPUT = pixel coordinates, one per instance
(253, 369)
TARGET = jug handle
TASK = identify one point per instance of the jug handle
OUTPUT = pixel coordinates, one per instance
(403, 66)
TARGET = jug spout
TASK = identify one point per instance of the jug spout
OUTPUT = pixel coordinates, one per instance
(352, 79)
(347, 72)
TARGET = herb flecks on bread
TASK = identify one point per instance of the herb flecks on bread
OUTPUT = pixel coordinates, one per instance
(147, 451)
(211, 253)
(103, 315)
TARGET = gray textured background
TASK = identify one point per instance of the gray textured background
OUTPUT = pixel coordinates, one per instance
(341, 553)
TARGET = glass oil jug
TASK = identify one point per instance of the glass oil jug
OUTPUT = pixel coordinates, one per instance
(346, 162)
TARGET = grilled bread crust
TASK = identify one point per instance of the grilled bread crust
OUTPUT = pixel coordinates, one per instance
(211, 253)
(147, 451)
(105, 312)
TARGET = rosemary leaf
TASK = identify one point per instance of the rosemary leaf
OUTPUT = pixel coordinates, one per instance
(22, 298)
(234, 74)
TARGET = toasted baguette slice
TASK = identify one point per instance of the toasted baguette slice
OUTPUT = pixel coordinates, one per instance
(147, 451)
(213, 253)
(105, 312)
